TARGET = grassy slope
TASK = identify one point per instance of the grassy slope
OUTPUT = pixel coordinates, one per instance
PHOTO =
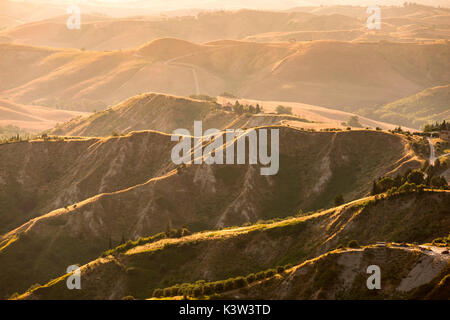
(164, 113)
(314, 168)
(234, 252)
(158, 112)
(430, 105)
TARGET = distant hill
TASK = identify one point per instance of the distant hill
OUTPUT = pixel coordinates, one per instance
(33, 118)
(324, 73)
(429, 105)
(320, 23)
(148, 112)
(139, 268)
(165, 113)
(14, 13)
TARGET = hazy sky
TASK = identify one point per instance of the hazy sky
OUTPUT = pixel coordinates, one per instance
(166, 5)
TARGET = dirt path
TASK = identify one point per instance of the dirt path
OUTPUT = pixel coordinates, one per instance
(173, 62)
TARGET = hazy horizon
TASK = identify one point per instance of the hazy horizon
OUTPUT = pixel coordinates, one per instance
(177, 5)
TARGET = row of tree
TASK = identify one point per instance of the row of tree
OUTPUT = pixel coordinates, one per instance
(202, 288)
(425, 177)
(437, 126)
(246, 108)
(126, 245)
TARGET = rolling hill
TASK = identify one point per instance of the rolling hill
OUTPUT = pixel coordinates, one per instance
(105, 33)
(429, 105)
(159, 112)
(108, 189)
(33, 118)
(88, 170)
(139, 268)
(323, 73)
(165, 113)
(342, 274)
(101, 32)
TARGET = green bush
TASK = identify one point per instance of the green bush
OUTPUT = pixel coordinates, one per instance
(219, 287)
(175, 291)
(270, 273)
(251, 278)
(283, 110)
(260, 275)
(167, 292)
(240, 282)
(198, 291)
(229, 284)
(353, 244)
(157, 293)
(339, 200)
(288, 266)
(208, 289)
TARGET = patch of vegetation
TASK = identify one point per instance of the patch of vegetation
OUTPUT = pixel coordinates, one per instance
(411, 181)
(339, 200)
(353, 121)
(203, 97)
(283, 110)
(437, 126)
(421, 147)
(353, 244)
(442, 241)
(125, 246)
(415, 111)
(12, 133)
(246, 108)
(202, 288)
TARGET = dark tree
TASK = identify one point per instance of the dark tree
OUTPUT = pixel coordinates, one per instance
(416, 177)
(339, 200)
